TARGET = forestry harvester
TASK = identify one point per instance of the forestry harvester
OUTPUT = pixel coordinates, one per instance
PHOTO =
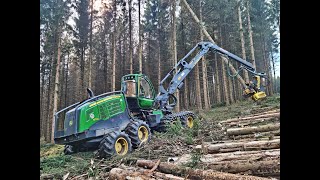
(116, 122)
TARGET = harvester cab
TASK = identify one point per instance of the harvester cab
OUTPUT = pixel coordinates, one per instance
(255, 88)
(138, 91)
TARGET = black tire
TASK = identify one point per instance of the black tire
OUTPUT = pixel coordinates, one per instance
(187, 120)
(107, 147)
(69, 149)
(139, 133)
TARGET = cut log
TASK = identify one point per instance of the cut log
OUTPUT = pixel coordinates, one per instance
(260, 112)
(214, 175)
(233, 156)
(260, 136)
(277, 114)
(251, 167)
(241, 146)
(141, 174)
(252, 121)
(253, 129)
(196, 173)
(163, 167)
(264, 110)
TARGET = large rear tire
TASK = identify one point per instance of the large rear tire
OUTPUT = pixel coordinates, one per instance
(187, 120)
(115, 143)
(139, 133)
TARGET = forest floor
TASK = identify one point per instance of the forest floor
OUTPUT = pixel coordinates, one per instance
(246, 153)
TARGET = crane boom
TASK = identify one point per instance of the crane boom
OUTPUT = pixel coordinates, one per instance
(183, 68)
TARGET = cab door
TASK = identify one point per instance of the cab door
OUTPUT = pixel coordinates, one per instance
(145, 93)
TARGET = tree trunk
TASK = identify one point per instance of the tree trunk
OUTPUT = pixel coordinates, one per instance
(243, 49)
(210, 38)
(218, 93)
(159, 62)
(224, 77)
(268, 71)
(159, 44)
(254, 129)
(185, 91)
(66, 85)
(250, 36)
(114, 62)
(90, 53)
(140, 39)
(198, 92)
(231, 90)
(130, 38)
(42, 119)
(56, 87)
(274, 71)
(114, 34)
(174, 50)
(204, 67)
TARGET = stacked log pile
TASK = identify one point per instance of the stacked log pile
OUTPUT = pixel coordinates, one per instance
(249, 150)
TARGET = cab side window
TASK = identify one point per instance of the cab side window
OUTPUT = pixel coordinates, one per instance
(145, 89)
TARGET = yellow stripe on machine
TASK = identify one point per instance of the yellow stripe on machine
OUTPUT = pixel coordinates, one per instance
(103, 100)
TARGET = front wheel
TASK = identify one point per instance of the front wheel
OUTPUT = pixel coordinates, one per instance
(139, 133)
(115, 143)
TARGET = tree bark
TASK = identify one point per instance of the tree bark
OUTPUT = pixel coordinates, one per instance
(243, 49)
(124, 173)
(218, 93)
(254, 129)
(210, 38)
(272, 114)
(90, 53)
(261, 168)
(224, 77)
(140, 38)
(130, 37)
(194, 173)
(56, 87)
(232, 156)
(252, 121)
(239, 146)
(274, 71)
(204, 67)
(66, 85)
(269, 135)
(114, 34)
(250, 36)
(174, 50)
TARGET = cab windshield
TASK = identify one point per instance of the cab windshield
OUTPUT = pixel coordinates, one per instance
(129, 88)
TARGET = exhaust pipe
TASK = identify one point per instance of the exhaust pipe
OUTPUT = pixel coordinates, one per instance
(90, 93)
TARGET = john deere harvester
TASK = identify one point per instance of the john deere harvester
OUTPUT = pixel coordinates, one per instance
(118, 121)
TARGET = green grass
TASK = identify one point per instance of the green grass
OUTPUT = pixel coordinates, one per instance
(53, 161)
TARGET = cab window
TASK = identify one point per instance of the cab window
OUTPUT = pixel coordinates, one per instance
(129, 88)
(145, 89)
